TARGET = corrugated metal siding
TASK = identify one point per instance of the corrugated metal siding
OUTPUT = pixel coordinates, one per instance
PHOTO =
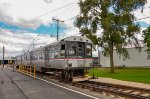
(136, 58)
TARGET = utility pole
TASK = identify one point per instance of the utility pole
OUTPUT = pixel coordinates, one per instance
(32, 46)
(58, 21)
(99, 56)
(3, 54)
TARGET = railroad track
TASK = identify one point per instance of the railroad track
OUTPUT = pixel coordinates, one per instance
(117, 90)
(110, 89)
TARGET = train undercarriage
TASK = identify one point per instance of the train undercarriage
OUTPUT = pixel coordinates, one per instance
(68, 74)
(65, 74)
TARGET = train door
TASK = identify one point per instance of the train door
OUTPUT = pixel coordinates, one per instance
(81, 49)
(81, 54)
(46, 53)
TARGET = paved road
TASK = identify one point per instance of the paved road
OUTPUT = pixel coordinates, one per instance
(14, 85)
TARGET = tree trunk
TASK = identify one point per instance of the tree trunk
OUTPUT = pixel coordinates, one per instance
(111, 58)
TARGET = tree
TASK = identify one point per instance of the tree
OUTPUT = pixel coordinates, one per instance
(116, 18)
(146, 35)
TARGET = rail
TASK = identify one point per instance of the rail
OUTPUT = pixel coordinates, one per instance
(118, 90)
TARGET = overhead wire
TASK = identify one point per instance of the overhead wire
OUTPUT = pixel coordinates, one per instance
(142, 18)
(55, 10)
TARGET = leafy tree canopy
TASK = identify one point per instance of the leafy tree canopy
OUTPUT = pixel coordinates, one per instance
(146, 34)
(116, 18)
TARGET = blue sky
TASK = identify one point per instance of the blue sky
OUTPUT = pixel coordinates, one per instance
(143, 24)
(51, 29)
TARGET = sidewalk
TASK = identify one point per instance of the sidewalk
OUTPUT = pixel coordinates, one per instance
(14, 85)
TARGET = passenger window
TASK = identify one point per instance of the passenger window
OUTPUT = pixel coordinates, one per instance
(56, 55)
(62, 52)
(63, 47)
(52, 54)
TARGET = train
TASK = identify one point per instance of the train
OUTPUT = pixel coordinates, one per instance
(68, 58)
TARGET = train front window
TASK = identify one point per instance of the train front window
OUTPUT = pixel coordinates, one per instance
(81, 51)
(80, 47)
(72, 50)
(88, 50)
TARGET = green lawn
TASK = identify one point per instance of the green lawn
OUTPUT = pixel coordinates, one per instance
(141, 75)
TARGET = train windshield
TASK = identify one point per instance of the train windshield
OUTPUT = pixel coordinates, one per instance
(72, 50)
(79, 50)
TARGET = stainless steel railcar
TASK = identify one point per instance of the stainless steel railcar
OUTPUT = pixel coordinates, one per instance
(67, 58)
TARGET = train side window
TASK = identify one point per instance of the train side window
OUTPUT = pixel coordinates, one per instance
(62, 52)
(63, 47)
(56, 55)
(52, 54)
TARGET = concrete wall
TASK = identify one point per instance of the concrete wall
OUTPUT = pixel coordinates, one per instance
(136, 58)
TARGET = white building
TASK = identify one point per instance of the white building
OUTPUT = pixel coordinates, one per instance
(137, 58)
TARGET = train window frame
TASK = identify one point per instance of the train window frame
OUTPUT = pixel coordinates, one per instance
(90, 52)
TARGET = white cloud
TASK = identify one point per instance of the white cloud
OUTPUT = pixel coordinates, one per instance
(27, 13)
(146, 13)
(16, 43)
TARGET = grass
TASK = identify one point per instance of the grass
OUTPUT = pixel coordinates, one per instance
(141, 75)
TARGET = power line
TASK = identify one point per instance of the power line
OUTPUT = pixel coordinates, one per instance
(55, 10)
(64, 11)
(142, 18)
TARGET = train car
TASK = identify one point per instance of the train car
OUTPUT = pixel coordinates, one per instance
(67, 58)
(18, 60)
(38, 58)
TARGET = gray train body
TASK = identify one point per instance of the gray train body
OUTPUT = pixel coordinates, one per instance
(73, 54)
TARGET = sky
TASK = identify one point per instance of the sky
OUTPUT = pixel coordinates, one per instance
(27, 22)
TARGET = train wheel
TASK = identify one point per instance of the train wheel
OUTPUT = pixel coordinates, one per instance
(68, 76)
(54, 75)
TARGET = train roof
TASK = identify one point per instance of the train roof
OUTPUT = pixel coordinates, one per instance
(77, 38)
(70, 38)
(73, 38)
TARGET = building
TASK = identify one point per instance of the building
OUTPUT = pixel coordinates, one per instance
(7, 60)
(137, 59)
